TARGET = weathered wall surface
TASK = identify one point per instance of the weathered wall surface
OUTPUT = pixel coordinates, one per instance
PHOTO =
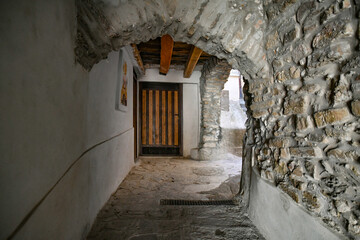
(110, 163)
(191, 103)
(43, 106)
(55, 173)
(304, 134)
(231, 30)
(214, 75)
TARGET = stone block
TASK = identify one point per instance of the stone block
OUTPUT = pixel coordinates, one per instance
(319, 171)
(355, 87)
(310, 199)
(332, 116)
(281, 76)
(300, 51)
(304, 10)
(210, 145)
(342, 155)
(291, 35)
(284, 153)
(310, 88)
(310, 25)
(281, 142)
(309, 152)
(294, 72)
(296, 105)
(209, 138)
(297, 172)
(328, 13)
(289, 191)
(341, 93)
(355, 108)
(345, 4)
(272, 41)
(262, 105)
(327, 34)
(316, 136)
(304, 123)
(342, 206)
(255, 86)
(259, 113)
(277, 64)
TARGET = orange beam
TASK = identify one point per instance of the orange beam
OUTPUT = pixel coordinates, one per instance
(167, 44)
(194, 56)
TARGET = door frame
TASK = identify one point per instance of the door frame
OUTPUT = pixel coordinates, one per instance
(142, 85)
(135, 113)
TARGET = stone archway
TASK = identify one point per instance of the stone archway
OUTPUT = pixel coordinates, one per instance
(236, 37)
(302, 70)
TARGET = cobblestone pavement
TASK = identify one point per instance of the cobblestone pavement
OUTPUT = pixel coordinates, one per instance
(133, 211)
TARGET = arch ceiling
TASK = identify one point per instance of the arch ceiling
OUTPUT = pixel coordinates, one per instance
(231, 30)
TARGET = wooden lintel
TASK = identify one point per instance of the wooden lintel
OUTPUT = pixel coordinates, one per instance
(138, 57)
(167, 44)
(194, 56)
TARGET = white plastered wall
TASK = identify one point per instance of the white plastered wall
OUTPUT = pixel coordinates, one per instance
(63, 145)
(109, 164)
(191, 102)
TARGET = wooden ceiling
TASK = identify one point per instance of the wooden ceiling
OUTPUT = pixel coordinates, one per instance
(164, 51)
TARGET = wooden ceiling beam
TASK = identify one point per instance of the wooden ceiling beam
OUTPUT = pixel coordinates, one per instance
(167, 44)
(138, 57)
(194, 56)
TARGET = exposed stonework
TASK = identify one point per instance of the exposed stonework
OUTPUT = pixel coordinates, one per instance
(307, 143)
(102, 28)
(214, 75)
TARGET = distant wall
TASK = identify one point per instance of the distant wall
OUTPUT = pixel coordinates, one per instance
(63, 145)
(191, 103)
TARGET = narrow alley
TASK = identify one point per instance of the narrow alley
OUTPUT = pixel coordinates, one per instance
(134, 210)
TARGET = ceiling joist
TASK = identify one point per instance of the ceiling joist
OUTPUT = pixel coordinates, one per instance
(194, 56)
(138, 58)
(167, 44)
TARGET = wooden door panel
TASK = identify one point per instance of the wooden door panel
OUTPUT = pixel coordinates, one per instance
(161, 119)
(176, 118)
(157, 117)
(170, 118)
(150, 106)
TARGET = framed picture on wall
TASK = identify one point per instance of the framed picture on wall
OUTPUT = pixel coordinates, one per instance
(122, 84)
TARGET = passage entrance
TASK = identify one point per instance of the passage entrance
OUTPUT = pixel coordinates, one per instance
(160, 107)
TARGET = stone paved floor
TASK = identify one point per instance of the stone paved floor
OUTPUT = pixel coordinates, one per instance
(133, 211)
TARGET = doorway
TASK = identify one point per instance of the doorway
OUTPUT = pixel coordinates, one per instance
(161, 119)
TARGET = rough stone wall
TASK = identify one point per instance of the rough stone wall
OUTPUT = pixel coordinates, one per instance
(303, 131)
(231, 30)
(214, 75)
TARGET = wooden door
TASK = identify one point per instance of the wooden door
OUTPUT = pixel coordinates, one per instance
(161, 119)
